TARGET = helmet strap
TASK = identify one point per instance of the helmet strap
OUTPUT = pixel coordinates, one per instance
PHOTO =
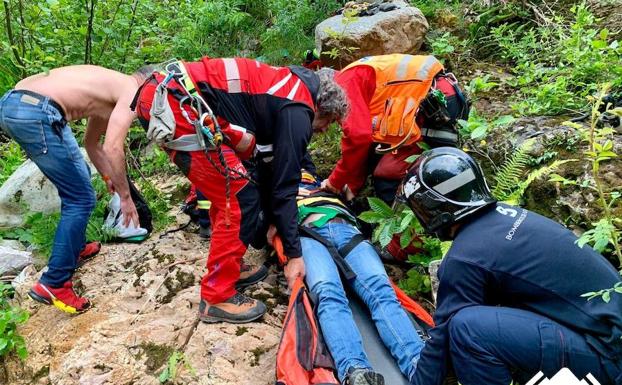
(440, 221)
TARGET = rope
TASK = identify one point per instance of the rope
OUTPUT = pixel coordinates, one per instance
(197, 105)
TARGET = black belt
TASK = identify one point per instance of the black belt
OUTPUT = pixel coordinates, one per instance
(42, 98)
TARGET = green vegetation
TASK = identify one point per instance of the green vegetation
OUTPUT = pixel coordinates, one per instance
(557, 66)
(10, 318)
(11, 157)
(605, 234)
(405, 225)
(533, 58)
(43, 34)
(170, 372)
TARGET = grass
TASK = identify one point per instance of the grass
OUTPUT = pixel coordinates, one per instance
(11, 157)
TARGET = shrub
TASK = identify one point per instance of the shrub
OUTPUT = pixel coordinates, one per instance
(10, 318)
(558, 65)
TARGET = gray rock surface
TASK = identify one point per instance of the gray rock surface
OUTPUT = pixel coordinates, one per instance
(145, 302)
(28, 190)
(401, 30)
(12, 261)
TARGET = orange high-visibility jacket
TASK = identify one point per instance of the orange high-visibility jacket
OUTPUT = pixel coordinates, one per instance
(402, 82)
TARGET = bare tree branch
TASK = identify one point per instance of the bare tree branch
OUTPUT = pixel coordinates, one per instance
(9, 33)
(88, 56)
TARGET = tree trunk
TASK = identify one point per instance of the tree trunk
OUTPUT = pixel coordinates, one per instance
(88, 55)
(9, 33)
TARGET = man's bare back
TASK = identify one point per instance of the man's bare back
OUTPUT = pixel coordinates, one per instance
(104, 97)
(84, 91)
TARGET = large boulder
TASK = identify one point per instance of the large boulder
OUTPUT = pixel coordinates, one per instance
(28, 190)
(401, 30)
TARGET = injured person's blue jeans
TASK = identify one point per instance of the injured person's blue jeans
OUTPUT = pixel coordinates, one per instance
(39, 128)
(372, 285)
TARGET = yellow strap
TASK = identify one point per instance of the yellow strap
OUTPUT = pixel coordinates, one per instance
(306, 176)
(185, 78)
(311, 200)
(204, 204)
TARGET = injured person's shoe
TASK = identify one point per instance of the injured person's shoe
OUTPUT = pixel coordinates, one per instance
(63, 297)
(237, 310)
(363, 377)
(250, 275)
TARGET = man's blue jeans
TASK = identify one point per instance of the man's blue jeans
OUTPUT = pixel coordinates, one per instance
(372, 286)
(34, 125)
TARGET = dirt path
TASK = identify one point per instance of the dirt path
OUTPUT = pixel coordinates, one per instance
(126, 340)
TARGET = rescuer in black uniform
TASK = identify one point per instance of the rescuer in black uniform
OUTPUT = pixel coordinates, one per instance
(510, 298)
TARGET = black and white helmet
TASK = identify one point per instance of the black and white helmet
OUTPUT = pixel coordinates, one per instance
(443, 186)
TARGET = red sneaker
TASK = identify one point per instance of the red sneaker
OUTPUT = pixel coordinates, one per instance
(90, 250)
(63, 298)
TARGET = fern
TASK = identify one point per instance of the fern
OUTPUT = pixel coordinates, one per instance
(96, 231)
(511, 172)
(543, 171)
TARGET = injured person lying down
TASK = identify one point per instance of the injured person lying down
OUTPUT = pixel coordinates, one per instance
(327, 228)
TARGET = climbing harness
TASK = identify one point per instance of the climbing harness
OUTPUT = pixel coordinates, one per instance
(208, 137)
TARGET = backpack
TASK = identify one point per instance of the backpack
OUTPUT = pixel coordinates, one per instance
(144, 213)
(302, 357)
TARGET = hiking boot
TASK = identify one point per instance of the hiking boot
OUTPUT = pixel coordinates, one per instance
(363, 377)
(63, 297)
(205, 232)
(250, 275)
(237, 310)
(90, 250)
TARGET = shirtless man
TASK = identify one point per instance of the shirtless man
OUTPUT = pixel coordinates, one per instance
(35, 115)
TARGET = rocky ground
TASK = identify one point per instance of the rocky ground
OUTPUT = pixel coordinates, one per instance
(145, 299)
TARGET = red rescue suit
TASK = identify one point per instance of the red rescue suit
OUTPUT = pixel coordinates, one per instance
(276, 104)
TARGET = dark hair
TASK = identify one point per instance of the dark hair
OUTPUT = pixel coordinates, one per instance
(145, 71)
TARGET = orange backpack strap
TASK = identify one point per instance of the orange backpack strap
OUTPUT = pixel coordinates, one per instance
(412, 306)
(277, 243)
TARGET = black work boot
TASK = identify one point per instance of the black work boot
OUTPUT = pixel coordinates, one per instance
(250, 275)
(363, 377)
(238, 309)
(205, 232)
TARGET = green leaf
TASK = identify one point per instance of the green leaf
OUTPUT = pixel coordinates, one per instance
(405, 239)
(607, 296)
(412, 158)
(503, 120)
(22, 352)
(378, 206)
(479, 132)
(164, 376)
(372, 217)
(386, 234)
(406, 221)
